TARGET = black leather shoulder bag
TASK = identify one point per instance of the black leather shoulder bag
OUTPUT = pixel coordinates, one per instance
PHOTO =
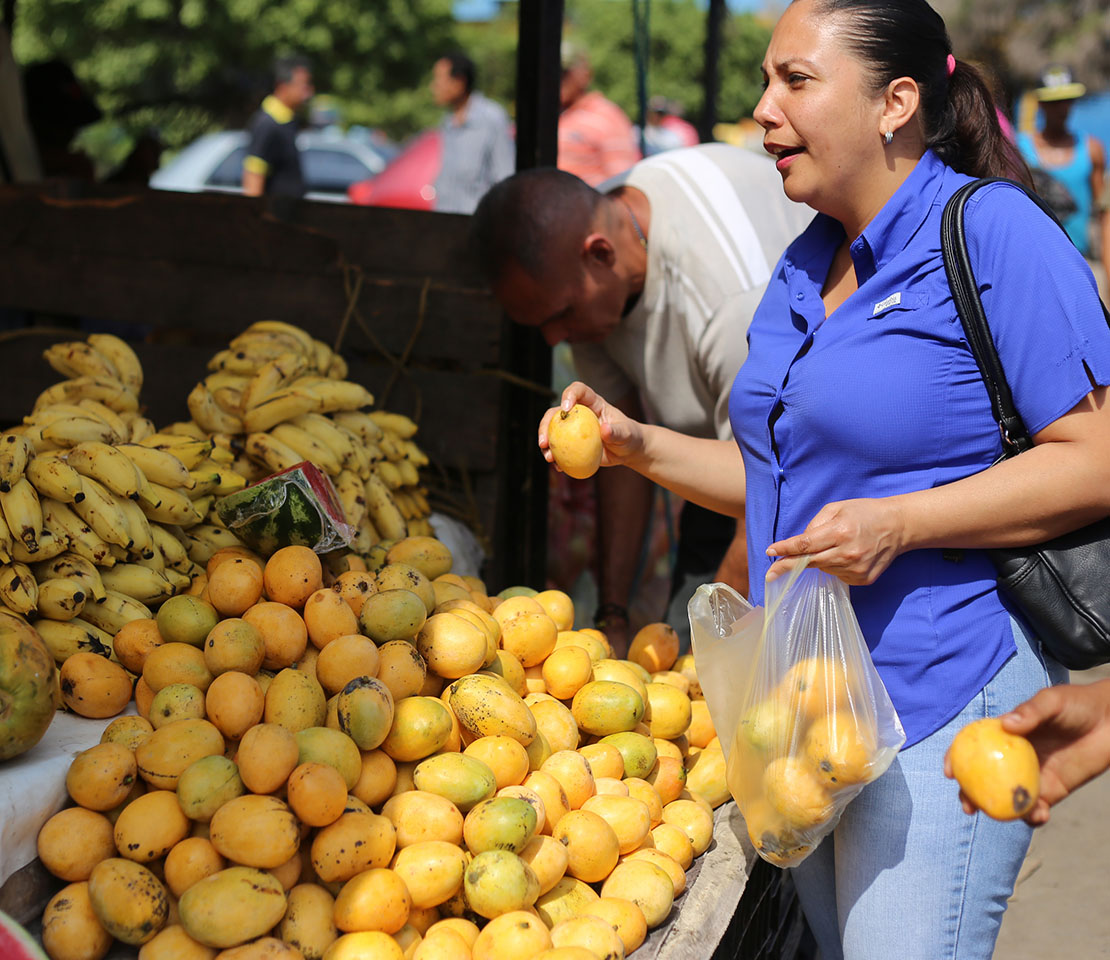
(1062, 586)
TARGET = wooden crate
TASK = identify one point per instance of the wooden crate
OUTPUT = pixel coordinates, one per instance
(397, 291)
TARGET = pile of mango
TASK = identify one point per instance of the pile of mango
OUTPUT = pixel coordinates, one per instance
(397, 766)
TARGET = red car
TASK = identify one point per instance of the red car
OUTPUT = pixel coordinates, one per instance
(409, 180)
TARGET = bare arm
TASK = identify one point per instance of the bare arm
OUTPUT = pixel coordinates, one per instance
(1101, 199)
(1069, 727)
(708, 472)
(254, 184)
(1060, 485)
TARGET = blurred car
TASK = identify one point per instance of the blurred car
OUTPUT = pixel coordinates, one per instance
(214, 162)
(409, 180)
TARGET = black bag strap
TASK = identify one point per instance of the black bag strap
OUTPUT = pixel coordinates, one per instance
(969, 306)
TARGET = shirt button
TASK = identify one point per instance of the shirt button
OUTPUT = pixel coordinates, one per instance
(799, 296)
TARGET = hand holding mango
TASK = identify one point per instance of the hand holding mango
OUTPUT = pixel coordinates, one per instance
(998, 772)
(585, 432)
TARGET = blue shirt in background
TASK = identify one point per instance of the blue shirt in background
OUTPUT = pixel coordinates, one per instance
(884, 398)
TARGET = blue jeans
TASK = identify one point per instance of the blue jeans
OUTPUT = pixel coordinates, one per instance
(907, 873)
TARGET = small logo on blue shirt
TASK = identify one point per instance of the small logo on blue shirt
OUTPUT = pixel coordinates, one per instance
(892, 301)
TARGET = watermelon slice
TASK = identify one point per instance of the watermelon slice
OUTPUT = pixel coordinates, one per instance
(16, 943)
(296, 507)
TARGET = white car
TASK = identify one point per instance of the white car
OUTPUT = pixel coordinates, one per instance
(214, 162)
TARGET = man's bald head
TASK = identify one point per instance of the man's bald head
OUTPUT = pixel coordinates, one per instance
(535, 220)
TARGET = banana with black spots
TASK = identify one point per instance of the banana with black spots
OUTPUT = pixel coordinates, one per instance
(64, 638)
(172, 506)
(119, 353)
(272, 377)
(116, 421)
(171, 548)
(359, 423)
(308, 447)
(159, 466)
(71, 431)
(77, 358)
(352, 496)
(142, 535)
(100, 511)
(398, 423)
(115, 611)
(108, 466)
(23, 513)
(279, 407)
(51, 476)
(18, 588)
(108, 391)
(205, 539)
(49, 546)
(60, 520)
(16, 450)
(141, 583)
(265, 449)
(62, 598)
(341, 395)
(71, 565)
(383, 511)
(209, 415)
(340, 442)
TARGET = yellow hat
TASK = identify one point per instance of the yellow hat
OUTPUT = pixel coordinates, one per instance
(1057, 83)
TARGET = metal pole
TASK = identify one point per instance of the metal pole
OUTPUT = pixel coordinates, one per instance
(712, 75)
(538, 75)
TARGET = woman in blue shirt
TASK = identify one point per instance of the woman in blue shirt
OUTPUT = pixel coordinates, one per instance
(866, 436)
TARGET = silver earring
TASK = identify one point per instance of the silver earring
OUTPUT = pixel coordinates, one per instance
(888, 137)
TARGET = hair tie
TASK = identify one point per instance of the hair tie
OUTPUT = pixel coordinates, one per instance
(951, 64)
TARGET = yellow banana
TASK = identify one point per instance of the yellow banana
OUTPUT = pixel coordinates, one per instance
(414, 454)
(228, 399)
(23, 513)
(390, 444)
(208, 414)
(121, 356)
(205, 478)
(187, 428)
(188, 450)
(340, 395)
(178, 580)
(390, 475)
(18, 587)
(108, 391)
(172, 549)
(203, 505)
(279, 407)
(140, 583)
(272, 377)
(366, 536)
(6, 543)
(337, 368)
(230, 482)
(142, 537)
(115, 611)
(114, 420)
(421, 501)
(410, 476)
(173, 506)
(61, 521)
(339, 441)
(234, 362)
(71, 566)
(108, 466)
(49, 545)
(160, 466)
(61, 598)
(280, 329)
(404, 427)
(53, 477)
(64, 638)
(268, 343)
(70, 431)
(224, 448)
(79, 359)
(141, 428)
(307, 447)
(273, 453)
(246, 467)
(362, 460)
(205, 539)
(223, 378)
(404, 504)
(352, 496)
(15, 451)
(360, 424)
(383, 511)
(101, 512)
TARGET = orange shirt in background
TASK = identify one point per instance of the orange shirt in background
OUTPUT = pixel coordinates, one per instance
(596, 139)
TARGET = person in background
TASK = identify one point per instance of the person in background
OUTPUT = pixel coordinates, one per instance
(57, 108)
(1077, 162)
(671, 117)
(273, 164)
(1069, 727)
(653, 278)
(596, 138)
(477, 140)
(867, 445)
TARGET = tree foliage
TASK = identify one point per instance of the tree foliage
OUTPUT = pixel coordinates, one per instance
(185, 67)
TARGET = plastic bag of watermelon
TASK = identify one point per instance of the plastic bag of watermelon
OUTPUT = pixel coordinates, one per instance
(297, 507)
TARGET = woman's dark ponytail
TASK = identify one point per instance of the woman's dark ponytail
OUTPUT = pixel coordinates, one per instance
(907, 38)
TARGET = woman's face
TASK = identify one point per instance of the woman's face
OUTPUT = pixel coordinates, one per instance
(820, 120)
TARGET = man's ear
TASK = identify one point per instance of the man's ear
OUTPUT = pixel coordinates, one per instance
(598, 249)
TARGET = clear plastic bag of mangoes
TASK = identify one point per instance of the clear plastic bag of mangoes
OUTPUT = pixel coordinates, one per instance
(806, 718)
